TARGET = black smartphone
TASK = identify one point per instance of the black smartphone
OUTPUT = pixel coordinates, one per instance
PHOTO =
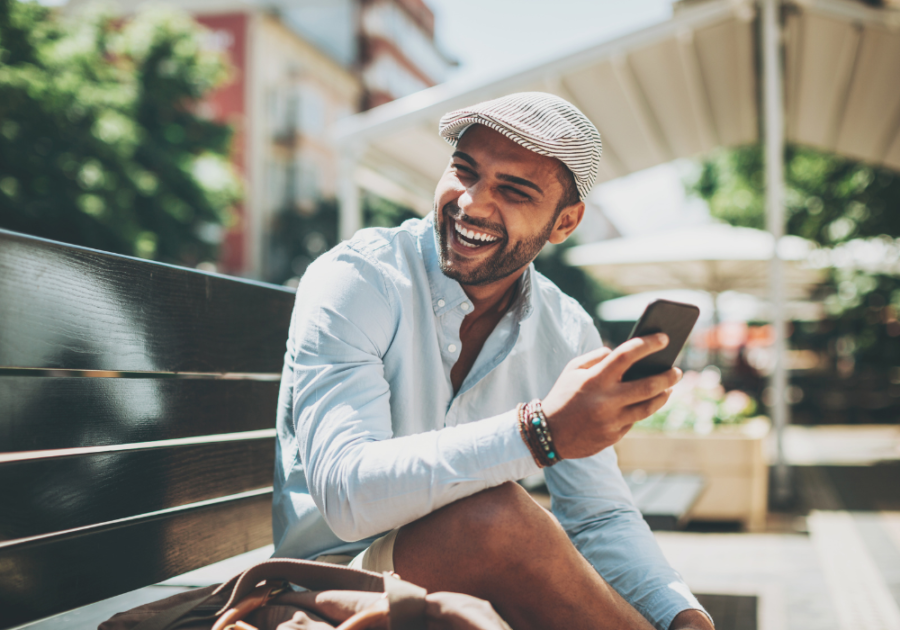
(676, 319)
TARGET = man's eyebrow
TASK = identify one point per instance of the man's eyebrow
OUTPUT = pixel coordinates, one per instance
(507, 178)
(465, 156)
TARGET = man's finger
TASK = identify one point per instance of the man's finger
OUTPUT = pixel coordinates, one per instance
(646, 388)
(636, 413)
(629, 353)
(590, 359)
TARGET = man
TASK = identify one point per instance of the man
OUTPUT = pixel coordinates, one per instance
(399, 435)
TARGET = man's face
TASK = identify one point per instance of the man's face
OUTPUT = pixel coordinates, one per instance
(495, 207)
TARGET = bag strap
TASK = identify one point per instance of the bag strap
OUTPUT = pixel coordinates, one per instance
(315, 576)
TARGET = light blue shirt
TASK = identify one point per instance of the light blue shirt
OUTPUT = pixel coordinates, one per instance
(371, 435)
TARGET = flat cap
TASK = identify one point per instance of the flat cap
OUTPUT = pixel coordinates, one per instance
(540, 122)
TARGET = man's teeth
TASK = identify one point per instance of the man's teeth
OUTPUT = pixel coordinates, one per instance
(473, 235)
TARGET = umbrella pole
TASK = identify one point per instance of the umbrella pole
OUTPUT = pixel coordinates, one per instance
(774, 161)
(714, 355)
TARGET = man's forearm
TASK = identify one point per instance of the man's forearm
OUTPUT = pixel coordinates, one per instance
(376, 486)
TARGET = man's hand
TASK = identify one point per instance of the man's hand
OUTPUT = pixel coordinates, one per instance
(590, 408)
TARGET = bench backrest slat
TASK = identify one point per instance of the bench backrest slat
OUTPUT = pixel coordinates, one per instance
(159, 464)
(72, 308)
(50, 495)
(58, 413)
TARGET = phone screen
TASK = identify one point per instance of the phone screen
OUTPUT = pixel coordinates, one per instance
(676, 319)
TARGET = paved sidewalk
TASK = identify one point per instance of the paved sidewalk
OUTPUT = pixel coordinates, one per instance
(844, 575)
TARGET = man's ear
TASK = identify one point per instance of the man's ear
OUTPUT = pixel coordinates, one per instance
(566, 222)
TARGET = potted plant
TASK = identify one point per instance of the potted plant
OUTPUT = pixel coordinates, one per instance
(706, 430)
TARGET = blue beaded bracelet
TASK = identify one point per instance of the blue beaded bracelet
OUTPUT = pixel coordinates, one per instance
(541, 431)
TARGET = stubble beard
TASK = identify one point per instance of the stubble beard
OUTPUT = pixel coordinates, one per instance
(504, 261)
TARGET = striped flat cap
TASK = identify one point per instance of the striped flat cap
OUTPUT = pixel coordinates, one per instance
(543, 123)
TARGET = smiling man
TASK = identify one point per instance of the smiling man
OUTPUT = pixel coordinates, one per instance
(430, 367)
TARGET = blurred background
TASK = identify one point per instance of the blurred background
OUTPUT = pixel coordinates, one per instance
(248, 137)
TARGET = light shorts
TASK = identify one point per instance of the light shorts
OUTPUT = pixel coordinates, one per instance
(377, 557)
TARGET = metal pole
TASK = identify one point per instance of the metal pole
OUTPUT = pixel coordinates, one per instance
(351, 218)
(774, 153)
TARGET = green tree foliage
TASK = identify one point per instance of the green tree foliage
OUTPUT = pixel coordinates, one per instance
(830, 200)
(298, 238)
(99, 144)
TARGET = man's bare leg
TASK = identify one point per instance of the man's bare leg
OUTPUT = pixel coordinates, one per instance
(501, 546)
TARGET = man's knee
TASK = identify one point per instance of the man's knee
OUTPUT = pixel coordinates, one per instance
(500, 519)
(478, 544)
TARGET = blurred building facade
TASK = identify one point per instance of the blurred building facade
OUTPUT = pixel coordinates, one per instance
(299, 67)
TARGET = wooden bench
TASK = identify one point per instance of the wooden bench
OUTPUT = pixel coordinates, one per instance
(161, 463)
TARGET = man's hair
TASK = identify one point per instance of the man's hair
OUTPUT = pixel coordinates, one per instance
(570, 191)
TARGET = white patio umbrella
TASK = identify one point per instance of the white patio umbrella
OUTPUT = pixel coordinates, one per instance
(714, 258)
(731, 306)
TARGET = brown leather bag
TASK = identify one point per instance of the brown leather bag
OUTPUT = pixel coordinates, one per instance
(261, 598)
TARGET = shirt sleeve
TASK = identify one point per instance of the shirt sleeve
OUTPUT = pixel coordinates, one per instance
(363, 479)
(593, 504)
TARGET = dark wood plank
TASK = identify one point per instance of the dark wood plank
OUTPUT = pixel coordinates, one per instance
(51, 495)
(50, 576)
(67, 307)
(54, 413)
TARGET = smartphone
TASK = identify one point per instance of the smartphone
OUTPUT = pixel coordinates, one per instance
(676, 319)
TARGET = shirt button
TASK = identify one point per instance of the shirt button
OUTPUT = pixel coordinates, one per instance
(451, 347)
(441, 303)
(465, 307)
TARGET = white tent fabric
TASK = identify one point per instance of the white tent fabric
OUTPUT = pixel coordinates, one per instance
(673, 90)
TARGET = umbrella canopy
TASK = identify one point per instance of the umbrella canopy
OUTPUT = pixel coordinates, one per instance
(713, 258)
(731, 306)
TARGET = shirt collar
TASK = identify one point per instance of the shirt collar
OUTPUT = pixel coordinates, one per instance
(447, 294)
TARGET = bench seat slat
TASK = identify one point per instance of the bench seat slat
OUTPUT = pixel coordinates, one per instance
(46, 577)
(66, 307)
(51, 495)
(52, 413)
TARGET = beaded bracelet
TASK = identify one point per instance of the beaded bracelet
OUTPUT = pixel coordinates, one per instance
(542, 430)
(536, 433)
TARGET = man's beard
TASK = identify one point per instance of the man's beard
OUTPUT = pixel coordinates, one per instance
(506, 259)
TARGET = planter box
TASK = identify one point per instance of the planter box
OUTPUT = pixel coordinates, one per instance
(731, 460)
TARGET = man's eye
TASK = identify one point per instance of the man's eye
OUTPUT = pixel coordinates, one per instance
(518, 194)
(463, 169)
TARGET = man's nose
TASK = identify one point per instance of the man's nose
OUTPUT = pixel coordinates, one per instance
(477, 201)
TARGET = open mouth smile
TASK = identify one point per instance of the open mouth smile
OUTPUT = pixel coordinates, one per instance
(472, 239)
